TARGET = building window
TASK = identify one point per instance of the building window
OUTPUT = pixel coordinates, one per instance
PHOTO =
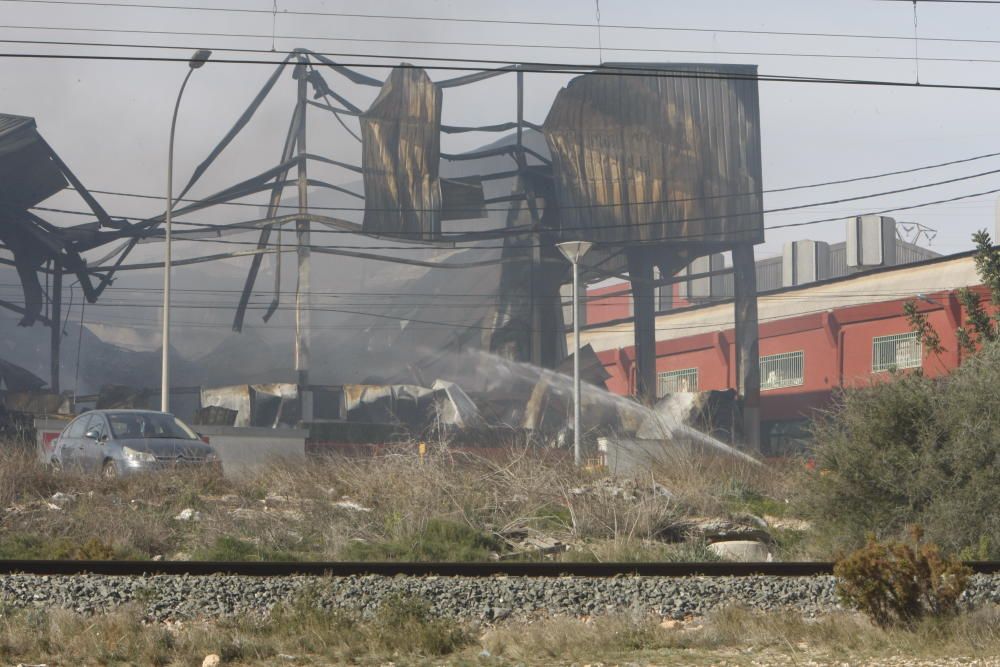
(782, 370)
(896, 351)
(672, 382)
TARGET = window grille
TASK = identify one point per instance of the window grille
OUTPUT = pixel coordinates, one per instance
(782, 370)
(672, 382)
(896, 351)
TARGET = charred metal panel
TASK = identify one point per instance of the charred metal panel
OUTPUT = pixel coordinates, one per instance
(401, 139)
(27, 173)
(15, 378)
(664, 157)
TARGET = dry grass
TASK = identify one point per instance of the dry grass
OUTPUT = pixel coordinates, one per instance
(297, 634)
(445, 506)
(402, 632)
(738, 637)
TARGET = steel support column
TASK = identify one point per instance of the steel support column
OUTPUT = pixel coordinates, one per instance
(747, 347)
(640, 268)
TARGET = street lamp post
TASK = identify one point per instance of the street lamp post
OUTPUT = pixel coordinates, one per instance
(197, 60)
(574, 252)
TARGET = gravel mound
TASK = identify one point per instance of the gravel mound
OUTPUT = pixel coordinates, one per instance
(474, 598)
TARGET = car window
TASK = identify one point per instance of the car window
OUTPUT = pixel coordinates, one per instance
(127, 425)
(97, 424)
(77, 427)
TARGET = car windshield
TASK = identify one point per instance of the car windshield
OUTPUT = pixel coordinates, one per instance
(128, 425)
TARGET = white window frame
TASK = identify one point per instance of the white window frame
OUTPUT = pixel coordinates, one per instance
(914, 359)
(779, 382)
(664, 377)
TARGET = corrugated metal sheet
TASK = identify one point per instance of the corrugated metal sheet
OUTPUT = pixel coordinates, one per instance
(768, 274)
(10, 123)
(401, 142)
(908, 253)
(639, 158)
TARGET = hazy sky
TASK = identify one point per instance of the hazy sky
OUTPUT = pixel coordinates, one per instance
(109, 120)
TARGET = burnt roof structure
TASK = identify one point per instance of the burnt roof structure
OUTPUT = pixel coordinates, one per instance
(640, 159)
(657, 164)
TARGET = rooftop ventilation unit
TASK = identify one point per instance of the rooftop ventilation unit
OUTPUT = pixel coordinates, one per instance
(704, 288)
(804, 262)
(871, 241)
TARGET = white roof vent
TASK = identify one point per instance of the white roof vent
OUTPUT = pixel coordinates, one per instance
(871, 241)
(804, 262)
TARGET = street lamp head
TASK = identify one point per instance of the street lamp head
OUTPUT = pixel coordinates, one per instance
(199, 58)
(574, 250)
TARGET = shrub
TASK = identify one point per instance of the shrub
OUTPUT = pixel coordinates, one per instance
(406, 624)
(911, 450)
(899, 583)
(440, 540)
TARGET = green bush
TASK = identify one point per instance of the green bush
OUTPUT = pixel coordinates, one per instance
(911, 450)
(440, 540)
(898, 583)
(406, 624)
(229, 548)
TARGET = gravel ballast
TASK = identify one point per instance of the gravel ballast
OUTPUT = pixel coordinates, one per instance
(165, 597)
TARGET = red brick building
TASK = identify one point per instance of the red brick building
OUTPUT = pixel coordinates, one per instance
(814, 338)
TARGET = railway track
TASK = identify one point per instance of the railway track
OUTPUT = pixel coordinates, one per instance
(393, 569)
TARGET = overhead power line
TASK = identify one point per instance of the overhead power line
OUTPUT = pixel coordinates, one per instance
(841, 200)
(956, 2)
(415, 42)
(549, 68)
(613, 326)
(790, 188)
(512, 22)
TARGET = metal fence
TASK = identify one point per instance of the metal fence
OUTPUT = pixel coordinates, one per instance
(782, 370)
(672, 382)
(896, 351)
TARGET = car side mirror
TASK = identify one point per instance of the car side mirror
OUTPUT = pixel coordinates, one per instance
(93, 434)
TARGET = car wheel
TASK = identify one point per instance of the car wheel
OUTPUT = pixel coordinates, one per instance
(110, 470)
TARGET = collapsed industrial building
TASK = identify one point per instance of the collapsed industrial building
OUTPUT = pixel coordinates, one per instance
(656, 165)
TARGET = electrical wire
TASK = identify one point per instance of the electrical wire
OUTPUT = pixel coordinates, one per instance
(514, 22)
(790, 188)
(414, 42)
(595, 70)
(613, 327)
(688, 220)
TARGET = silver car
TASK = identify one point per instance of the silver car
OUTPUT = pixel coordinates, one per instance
(113, 443)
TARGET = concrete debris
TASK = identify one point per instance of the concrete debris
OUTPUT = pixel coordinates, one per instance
(783, 523)
(524, 543)
(351, 506)
(61, 499)
(211, 660)
(744, 551)
(717, 530)
(188, 514)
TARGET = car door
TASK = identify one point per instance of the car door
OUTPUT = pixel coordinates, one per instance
(71, 441)
(92, 451)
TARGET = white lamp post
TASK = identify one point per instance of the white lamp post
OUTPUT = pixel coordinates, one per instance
(574, 252)
(197, 60)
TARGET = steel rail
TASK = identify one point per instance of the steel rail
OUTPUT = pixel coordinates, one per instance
(414, 569)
